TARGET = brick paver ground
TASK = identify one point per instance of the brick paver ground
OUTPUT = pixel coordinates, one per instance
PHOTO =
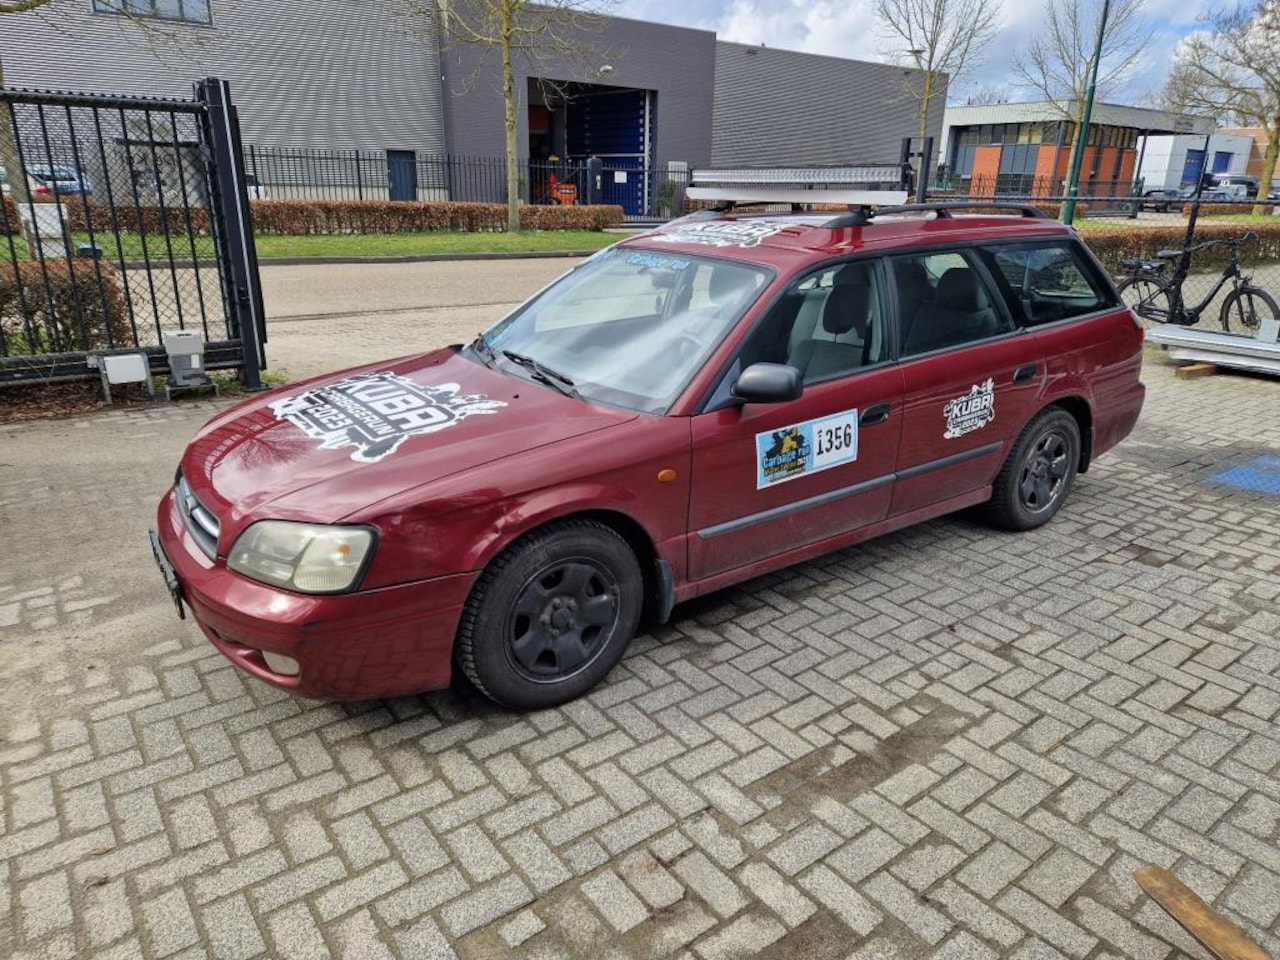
(947, 743)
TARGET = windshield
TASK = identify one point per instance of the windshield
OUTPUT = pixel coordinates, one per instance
(628, 327)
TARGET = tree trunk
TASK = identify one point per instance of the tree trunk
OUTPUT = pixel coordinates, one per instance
(924, 118)
(9, 156)
(509, 104)
(1268, 164)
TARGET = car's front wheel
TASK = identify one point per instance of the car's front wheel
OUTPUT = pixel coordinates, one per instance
(551, 615)
(1038, 474)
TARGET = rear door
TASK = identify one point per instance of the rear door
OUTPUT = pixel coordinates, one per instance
(1091, 345)
(771, 478)
(971, 377)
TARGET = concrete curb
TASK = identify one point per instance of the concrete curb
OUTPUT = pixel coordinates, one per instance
(408, 258)
(428, 257)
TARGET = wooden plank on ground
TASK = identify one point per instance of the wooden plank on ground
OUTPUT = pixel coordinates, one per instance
(1193, 370)
(1215, 932)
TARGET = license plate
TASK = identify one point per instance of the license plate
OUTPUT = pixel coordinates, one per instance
(170, 576)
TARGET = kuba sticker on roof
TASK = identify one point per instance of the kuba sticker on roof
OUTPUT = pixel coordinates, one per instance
(376, 412)
(721, 233)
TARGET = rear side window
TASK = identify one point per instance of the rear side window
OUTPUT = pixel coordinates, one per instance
(944, 301)
(1047, 281)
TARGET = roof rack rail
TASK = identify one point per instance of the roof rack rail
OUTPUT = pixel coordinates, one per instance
(944, 209)
(862, 216)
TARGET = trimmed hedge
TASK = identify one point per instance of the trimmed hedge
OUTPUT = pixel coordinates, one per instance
(312, 217)
(51, 308)
(1226, 209)
(1114, 246)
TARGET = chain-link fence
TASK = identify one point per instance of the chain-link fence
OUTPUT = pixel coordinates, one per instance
(112, 232)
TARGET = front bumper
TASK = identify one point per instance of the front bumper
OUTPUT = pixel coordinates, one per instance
(353, 646)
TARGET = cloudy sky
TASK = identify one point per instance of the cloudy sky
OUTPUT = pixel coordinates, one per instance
(847, 28)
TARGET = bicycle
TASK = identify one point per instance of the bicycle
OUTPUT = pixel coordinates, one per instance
(1155, 296)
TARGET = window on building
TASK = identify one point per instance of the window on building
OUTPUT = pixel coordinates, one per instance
(182, 11)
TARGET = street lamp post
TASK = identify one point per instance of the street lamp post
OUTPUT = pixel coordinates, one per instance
(1082, 135)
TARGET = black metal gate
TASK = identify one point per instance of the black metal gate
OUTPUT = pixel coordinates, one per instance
(124, 219)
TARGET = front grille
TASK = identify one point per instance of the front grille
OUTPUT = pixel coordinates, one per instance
(201, 522)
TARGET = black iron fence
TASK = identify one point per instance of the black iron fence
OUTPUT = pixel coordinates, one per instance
(123, 219)
(644, 191)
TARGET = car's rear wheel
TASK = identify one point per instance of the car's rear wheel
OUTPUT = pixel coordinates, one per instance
(1037, 476)
(551, 616)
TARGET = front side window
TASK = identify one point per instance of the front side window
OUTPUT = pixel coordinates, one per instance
(630, 327)
(829, 324)
(1046, 282)
(944, 301)
(183, 11)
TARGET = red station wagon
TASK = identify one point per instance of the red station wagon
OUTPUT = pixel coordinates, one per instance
(690, 408)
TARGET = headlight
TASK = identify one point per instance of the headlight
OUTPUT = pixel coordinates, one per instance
(307, 557)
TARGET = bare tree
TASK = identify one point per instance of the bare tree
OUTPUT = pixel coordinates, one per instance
(1058, 61)
(941, 37)
(1232, 69)
(986, 95)
(515, 31)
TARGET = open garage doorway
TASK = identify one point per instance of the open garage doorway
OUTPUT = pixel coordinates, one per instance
(571, 122)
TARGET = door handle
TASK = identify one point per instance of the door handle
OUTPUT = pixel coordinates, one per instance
(1026, 374)
(878, 413)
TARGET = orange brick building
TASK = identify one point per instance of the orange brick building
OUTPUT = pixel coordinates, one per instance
(1025, 148)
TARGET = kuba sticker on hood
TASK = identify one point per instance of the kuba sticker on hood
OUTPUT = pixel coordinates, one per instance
(376, 412)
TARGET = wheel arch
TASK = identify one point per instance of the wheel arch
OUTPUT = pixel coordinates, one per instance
(657, 587)
(1082, 412)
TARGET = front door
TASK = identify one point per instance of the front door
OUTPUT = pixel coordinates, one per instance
(971, 378)
(402, 174)
(771, 478)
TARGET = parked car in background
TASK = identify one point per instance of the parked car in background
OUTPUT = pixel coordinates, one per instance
(1160, 200)
(1250, 184)
(1231, 193)
(688, 409)
(46, 178)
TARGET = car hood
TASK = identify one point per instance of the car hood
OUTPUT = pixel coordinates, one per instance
(326, 448)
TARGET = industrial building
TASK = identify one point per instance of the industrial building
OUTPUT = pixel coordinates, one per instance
(1026, 147)
(652, 101)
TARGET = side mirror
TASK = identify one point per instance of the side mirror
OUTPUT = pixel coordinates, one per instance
(768, 383)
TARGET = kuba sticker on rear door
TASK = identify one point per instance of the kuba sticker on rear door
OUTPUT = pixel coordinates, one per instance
(376, 412)
(970, 412)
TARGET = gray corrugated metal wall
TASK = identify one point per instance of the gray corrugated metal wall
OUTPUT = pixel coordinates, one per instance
(677, 63)
(778, 107)
(325, 74)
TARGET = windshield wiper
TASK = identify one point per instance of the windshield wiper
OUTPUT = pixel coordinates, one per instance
(543, 373)
(480, 347)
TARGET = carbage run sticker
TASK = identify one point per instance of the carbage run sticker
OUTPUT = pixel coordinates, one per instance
(805, 448)
(376, 412)
(720, 233)
(973, 411)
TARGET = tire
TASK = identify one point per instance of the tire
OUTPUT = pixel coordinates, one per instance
(1244, 310)
(1037, 476)
(551, 615)
(1146, 298)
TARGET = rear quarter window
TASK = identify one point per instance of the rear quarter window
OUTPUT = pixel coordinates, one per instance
(1047, 281)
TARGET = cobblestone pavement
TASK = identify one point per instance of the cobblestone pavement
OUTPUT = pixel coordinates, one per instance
(947, 743)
